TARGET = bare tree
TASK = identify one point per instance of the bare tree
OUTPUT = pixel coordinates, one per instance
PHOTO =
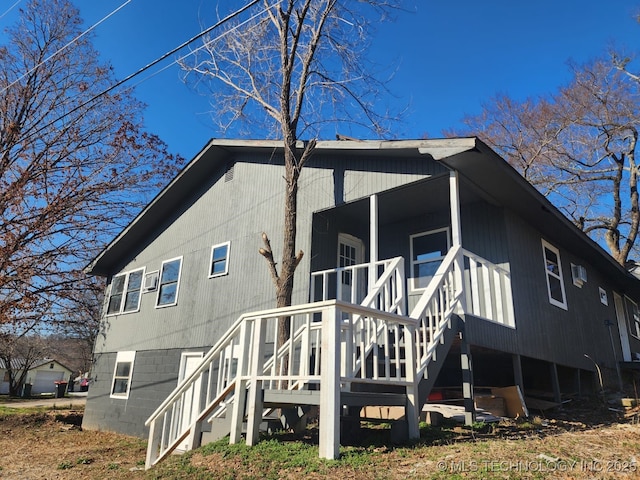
(75, 163)
(19, 354)
(294, 71)
(577, 147)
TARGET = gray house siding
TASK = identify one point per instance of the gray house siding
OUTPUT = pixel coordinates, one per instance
(155, 376)
(237, 205)
(543, 330)
(233, 207)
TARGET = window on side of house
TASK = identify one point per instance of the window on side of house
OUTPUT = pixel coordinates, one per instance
(553, 274)
(122, 373)
(169, 282)
(124, 296)
(428, 249)
(633, 317)
(219, 260)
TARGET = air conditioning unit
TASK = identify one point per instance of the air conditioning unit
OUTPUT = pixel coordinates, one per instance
(579, 274)
(150, 281)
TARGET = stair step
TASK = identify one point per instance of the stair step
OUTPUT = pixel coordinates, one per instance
(363, 399)
(277, 398)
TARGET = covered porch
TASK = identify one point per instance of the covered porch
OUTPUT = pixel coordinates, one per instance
(419, 222)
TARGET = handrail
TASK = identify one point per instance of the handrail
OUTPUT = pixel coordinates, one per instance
(435, 308)
(488, 290)
(369, 338)
(388, 290)
(217, 348)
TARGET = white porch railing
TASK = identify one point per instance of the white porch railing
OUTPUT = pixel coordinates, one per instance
(322, 352)
(170, 426)
(488, 290)
(333, 344)
(435, 308)
(377, 285)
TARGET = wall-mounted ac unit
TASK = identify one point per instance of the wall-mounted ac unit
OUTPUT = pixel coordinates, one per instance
(579, 274)
(150, 281)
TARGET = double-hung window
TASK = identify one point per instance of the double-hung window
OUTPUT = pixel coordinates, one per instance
(633, 317)
(169, 282)
(553, 273)
(124, 296)
(428, 249)
(122, 372)
(219, 260)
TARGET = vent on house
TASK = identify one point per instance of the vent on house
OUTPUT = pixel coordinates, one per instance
(150, 281)
(229, 175)
(579, 274)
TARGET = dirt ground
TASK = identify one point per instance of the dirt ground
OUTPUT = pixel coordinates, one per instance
(582, 442)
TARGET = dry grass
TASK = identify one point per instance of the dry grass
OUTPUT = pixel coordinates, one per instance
(584, 442)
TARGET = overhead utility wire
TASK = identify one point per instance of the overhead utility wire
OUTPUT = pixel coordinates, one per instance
(179, 47)
(71, 42)
(146, 67)
(10, 8)
(226, 32)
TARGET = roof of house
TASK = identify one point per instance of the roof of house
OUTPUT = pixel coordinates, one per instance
(18, 363)
(476, 163)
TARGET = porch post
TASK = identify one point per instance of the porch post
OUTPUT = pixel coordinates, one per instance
(467, 380)
(555, 383)
(254, 396)
(454, 198)
(373, 239)
(517, 371)
(456, 236)
(239, 397)
(330, 385)
(412, 408)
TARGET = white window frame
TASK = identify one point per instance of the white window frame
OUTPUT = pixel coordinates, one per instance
(226, 260)
(412, 282)
(160, 283)
(549, 274)
(633, 321)
(125, 292)
(123, 357)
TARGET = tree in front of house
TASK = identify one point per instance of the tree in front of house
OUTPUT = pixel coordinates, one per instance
(294, 71)
(75, 164)
(578, 147)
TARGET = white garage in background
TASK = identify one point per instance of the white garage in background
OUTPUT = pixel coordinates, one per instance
(44, 375)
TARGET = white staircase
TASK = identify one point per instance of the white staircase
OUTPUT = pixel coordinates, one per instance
(337, 352)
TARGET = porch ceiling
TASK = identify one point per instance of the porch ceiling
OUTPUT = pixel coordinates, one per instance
(409, 201)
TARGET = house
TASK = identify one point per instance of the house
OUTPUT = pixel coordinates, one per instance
(428, 263)
(42, 376)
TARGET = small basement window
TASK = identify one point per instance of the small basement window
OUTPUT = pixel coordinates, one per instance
(122, 373)
(219, 260)
(553, 273)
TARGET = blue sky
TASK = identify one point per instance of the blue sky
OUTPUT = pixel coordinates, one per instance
(451, 56)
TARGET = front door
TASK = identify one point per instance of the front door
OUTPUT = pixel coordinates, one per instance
(189, 361)
(351, 283)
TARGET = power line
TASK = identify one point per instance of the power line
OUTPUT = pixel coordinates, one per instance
(146, 67)
(71, 42)
(226, 32)
(9, 9)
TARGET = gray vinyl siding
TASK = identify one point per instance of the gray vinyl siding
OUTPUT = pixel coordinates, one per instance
(543, 330)
(238, 211)
(155, 375)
